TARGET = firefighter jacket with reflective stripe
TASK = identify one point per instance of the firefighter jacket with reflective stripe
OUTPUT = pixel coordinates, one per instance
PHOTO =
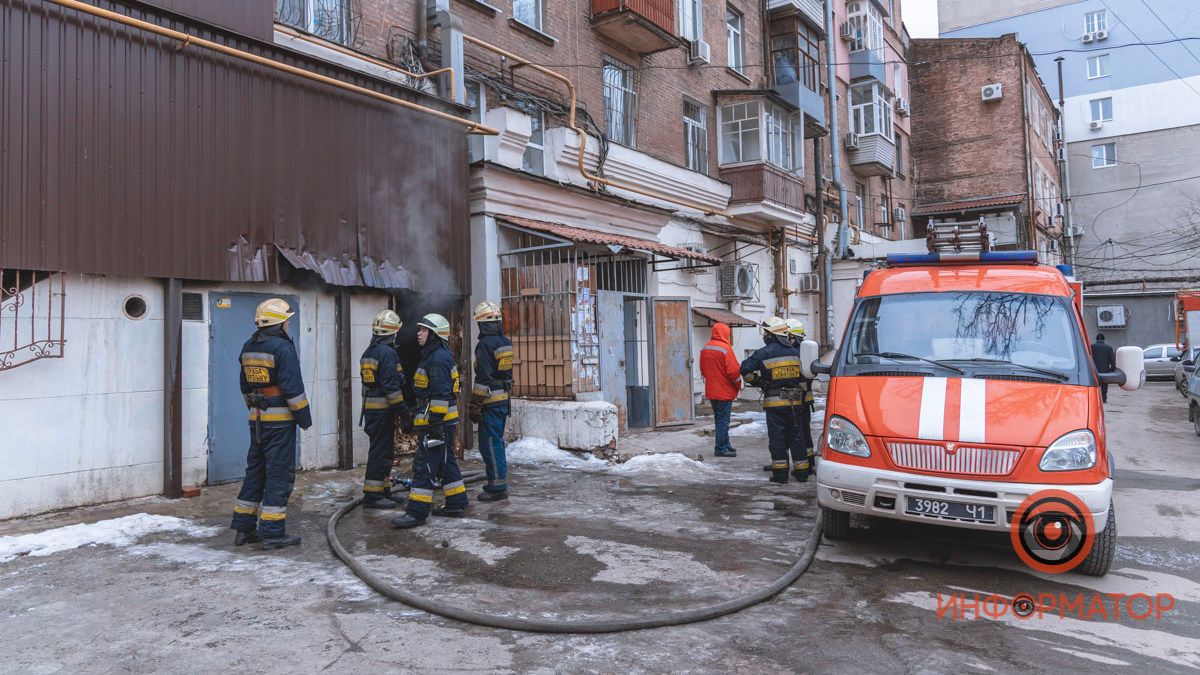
(719, 366)
(776, 369)
(493, 366)
(271, 382)
(382, 376)
(435, 385)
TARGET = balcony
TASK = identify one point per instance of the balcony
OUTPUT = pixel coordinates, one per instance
(644, 26)
(764, 192)
(808, 102)
(865, 63)
(811, 9)
(875, 156)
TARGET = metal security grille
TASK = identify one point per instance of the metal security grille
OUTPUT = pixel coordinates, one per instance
(967, 460)
(549, 295)
(31, 316)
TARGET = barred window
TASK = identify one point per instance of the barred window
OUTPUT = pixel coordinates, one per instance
(695, 134)
(620, 102)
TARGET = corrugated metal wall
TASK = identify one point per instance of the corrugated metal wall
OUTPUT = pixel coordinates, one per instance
(120, 154)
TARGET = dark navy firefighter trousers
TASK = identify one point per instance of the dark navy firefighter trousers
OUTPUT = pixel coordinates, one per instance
(433, 467)
(491, 447)
(381, 430)
(270, 476)
(789, 437)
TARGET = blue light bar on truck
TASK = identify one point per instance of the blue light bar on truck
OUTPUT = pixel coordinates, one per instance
(989, 258)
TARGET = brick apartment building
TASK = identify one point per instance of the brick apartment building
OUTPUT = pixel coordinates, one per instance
(985, 133)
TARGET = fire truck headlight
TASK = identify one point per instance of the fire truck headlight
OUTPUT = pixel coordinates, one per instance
(843, 436)
(1071, 452)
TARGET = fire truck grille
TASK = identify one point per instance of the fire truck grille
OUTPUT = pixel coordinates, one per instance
(967, 460)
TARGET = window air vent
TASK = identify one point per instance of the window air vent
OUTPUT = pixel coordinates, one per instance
(193, 306)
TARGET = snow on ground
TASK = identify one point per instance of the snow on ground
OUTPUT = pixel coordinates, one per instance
(540, 452)
(755, 428)
(467, 536)
(670, 465)
(638, 565)
(115, 532)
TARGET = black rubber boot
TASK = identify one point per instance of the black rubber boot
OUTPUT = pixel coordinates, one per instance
(768, 468)
(379, 503)
(276, 543)
(243, 538)
(490, 496)
(405, 521)
(778, 477)
(725, 453)
(449, 513)
(800, 476)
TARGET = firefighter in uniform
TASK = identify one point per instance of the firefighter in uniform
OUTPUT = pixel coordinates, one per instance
(383, 402)
(435, 385)
(807, 465)
(775, 368)
(274, 393)
(489, 398)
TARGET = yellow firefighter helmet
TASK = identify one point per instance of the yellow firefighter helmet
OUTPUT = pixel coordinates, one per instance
(437, 324)
(487, 311)
(272, 312)
(795, 328)
(386, 322)
(775, 326)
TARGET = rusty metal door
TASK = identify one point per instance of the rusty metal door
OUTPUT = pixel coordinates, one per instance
(672, 375)
(611, 308)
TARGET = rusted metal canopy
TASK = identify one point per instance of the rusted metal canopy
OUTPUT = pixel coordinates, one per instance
(724, 316)
(968, 204)
(579, 234)
(348, 272)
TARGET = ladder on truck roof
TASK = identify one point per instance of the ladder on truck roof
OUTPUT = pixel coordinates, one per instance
(968, 236)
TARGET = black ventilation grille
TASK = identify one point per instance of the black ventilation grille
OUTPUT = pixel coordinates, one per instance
(893, 373)
(193, 306)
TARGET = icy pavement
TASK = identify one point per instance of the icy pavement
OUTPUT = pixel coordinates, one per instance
(123, 531)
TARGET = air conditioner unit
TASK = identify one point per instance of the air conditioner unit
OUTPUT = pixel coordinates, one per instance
(852, 140)
(847, 31)
(1096, 125)
(902, 107)
(1110, 316)
(1057, 134)
(738, 280)
(1061, 153)
(1101, 35)
(992, 92)
(1075, 231)
(699, 52)
(1058, 209)
(809, 283)
(900, 214)
(1088, 37)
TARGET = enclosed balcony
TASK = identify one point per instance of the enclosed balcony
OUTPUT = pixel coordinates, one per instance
(796, 66)
(867, 64)
(875, 156)
(643, 26)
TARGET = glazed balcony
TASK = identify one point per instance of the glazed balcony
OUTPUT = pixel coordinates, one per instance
(644, 26)
(764, 192)
(875, 156)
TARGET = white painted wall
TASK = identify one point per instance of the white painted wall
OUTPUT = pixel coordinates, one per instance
(1148, 107)
(87, 428)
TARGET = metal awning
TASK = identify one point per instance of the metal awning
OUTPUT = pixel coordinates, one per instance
(581, 235)
(968, 204)
(724, 316)
(350, 272)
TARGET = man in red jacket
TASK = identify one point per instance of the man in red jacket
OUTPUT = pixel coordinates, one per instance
(722, 381)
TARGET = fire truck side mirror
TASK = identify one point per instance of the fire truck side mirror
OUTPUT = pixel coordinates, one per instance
(810, 351)
(1131, 364)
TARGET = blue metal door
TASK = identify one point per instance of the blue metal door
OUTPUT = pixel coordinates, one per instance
(612, 352)
(228, 432)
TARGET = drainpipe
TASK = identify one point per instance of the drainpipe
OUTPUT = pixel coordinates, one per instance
(834, 135)
(1031, 226)
(172, 388)
(825, 297)
(1064, 178)
(452, 45)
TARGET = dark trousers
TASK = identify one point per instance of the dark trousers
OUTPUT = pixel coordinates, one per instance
(491, 446)
(789, 437)
(270, 476)
(432, 468)
(721, 412)
(381, 429)
(1104, 392)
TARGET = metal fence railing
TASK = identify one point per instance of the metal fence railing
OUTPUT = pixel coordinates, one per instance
(32, 317)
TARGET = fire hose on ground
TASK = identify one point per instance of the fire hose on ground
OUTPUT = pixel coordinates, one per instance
(603, 625)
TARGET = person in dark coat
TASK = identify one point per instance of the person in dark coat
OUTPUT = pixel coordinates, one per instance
(489, 406)
(383, 403)
(1104, 357)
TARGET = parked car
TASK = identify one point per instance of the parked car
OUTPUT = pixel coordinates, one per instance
(1193, 396)
(1184, 367)
(1158, 360)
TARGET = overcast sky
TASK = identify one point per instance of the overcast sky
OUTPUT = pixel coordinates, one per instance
(921, 18)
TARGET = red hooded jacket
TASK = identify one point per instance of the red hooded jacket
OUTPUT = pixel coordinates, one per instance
(719, 366)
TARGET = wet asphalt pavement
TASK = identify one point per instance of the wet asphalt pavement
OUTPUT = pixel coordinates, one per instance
(581, 539)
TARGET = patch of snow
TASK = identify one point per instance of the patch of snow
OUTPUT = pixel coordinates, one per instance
(540, 452)
(270, 570)
(123, 531)
(671, 465)
(1092, 657)
(637, 565)
(467, 536)
(749, 416)
(755, 428)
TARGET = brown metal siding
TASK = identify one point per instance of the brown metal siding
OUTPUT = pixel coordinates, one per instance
(120, 154)
(255, 18)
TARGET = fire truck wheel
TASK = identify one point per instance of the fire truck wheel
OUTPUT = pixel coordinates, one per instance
(1103, 549)
(835, 525)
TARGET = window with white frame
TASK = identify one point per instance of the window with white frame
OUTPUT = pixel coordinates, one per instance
(620, 102)
(733, 38)
(866, 27)
(896, 86)
(899, 153)
(741, 133)
(1104, 154)
(871, 110)
(885, 216)
(328, 19)
(528, 12)
(1097, 66)
(691, 17)
(1094, 21)
(781, 144)
(695, 135)
(476, 103)
(1101, 109)
(534, 160)
(860, 196)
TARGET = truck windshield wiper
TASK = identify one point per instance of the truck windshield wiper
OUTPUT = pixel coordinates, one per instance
(1062, 377)
(896, 356)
